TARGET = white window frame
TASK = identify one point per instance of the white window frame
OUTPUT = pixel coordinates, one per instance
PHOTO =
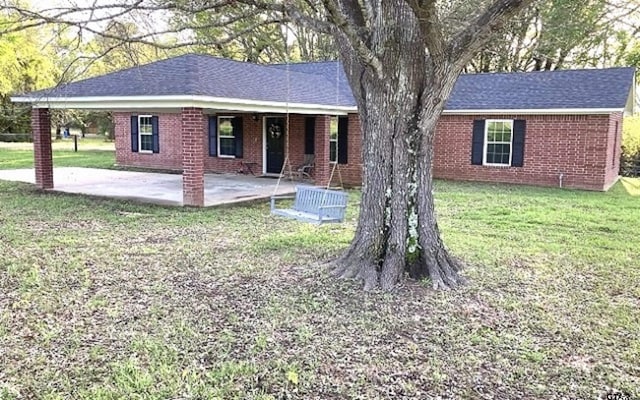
(337, 120)
(140, 134)
(219, 136)
(486, 143)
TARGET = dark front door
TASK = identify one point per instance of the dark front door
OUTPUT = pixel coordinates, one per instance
(275, 131)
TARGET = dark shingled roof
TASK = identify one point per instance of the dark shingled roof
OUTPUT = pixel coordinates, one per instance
(331, 70)
(203, 75)
(581, 88)
(315, 83)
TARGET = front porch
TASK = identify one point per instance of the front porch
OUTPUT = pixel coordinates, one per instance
(198, 141)
(156, 188)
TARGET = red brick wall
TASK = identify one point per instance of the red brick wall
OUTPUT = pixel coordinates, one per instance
(253, 145)
(613, 149)
(170, 155)
(581, 147)
(322, 169)
(572, 145)
(43, 156)
(352, 171)
(169, 134)
(253, 148)
(193, 146)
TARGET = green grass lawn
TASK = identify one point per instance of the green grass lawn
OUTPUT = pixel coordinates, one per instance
(105, 299)
(92, 152)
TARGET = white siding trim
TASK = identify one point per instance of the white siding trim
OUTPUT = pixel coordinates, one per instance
(545, 111)
(147, 102)
(259, 106)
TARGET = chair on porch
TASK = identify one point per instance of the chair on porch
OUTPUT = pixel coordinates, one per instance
(304, 170)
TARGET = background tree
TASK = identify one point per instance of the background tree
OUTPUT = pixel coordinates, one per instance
(113, 50)
(557, 34)
(243, 34)
(238, 34)
(26, 65)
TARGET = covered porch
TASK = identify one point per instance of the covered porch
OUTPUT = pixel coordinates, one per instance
(190, 141)
(156, 188)
(196, 114)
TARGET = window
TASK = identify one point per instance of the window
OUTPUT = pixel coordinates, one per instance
(333, 140)
(226, 137)
(498, 142)
(145, 134)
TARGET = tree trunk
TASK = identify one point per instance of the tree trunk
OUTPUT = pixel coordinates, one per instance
(397, 231)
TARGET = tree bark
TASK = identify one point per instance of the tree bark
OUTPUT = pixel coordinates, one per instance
(397, 233)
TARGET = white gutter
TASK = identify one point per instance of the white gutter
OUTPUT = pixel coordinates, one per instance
(260, 106)
(220, 103)
(534, 111)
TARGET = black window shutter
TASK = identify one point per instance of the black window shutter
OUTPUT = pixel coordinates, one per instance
(343, 140)
(310, 135)
(477, 147)
(213, 136)
(517, 156)
(134, 133)
(155, 134)
(237, 133)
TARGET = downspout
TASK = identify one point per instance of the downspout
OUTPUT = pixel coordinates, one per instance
(560, 178)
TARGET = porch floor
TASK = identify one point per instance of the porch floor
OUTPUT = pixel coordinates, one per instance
(152, 187)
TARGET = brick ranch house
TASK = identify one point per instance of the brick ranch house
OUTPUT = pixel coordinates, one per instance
(197, 114)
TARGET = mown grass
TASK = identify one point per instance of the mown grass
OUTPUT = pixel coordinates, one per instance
(92, 152)
(105, 299)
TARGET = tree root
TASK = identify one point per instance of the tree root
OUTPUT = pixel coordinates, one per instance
(444, 271)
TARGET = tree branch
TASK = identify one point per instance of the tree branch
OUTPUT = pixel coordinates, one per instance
(356, 41)
(430, 26)
(478, 32)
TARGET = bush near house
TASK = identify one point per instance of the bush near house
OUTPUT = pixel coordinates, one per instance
(630, 161)
(16, 137)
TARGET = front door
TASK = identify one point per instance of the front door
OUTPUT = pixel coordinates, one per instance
(274, 149)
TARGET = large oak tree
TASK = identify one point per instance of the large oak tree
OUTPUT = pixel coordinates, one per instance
(402, 59)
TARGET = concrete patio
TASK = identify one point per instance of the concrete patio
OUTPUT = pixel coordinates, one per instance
(157, 188)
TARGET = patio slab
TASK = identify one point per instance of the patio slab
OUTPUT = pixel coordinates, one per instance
(152, 187)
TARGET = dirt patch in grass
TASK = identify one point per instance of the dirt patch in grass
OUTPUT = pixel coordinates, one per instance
(108, 300)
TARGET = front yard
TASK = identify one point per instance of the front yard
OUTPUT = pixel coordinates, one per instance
(92, 151)
(105, 299)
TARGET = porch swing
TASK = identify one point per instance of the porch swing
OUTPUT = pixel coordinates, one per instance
(310, 203)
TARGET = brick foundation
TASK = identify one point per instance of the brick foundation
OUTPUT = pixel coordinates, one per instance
(43, 158)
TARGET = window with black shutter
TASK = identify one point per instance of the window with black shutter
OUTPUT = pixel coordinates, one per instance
(145, 134)
(226, 137)
(498, 142)
(343, 140)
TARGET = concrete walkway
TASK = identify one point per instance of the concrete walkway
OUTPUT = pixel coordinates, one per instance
(152, 187)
